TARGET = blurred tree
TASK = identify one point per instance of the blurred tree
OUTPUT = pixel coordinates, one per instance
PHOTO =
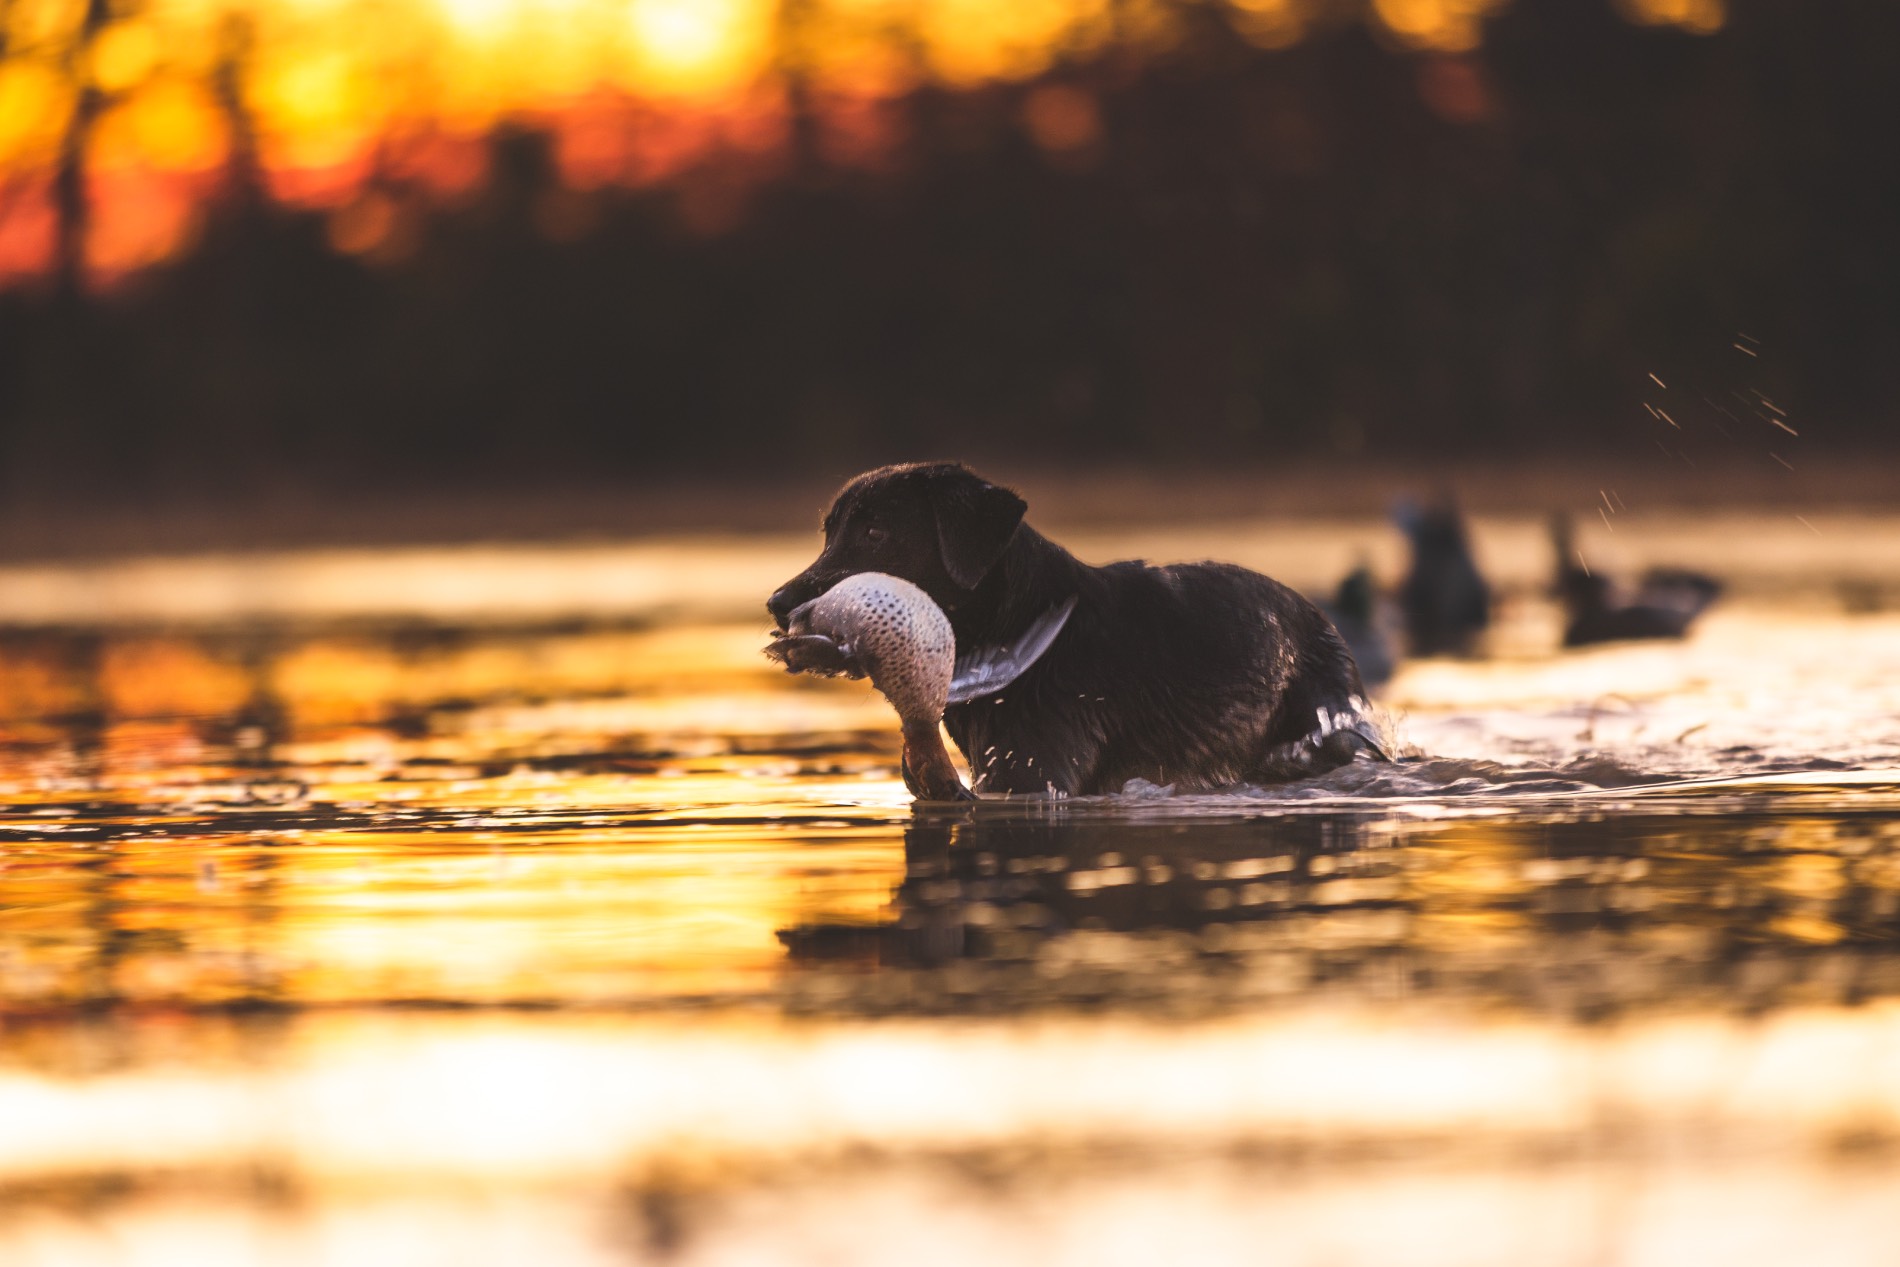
(1134, 231)
(72, 205)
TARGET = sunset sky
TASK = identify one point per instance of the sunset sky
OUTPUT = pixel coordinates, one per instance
(342, 97)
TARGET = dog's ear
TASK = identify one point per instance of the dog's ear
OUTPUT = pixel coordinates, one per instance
(975, 520)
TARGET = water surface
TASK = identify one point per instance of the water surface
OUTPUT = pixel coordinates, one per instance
(520, 909)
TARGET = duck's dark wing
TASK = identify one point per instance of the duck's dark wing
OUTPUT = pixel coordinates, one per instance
(1667, 603)
(987, 670)
(1625, 624)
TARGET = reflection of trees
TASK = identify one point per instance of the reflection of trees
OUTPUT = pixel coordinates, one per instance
(1584, 917)
(212, 938)
(110, 912)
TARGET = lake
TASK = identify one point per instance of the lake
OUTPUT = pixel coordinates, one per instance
(504, 904)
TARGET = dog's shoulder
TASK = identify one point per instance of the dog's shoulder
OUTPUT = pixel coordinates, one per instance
(1199, 622)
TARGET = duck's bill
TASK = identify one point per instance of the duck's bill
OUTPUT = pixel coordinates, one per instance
(813, 653)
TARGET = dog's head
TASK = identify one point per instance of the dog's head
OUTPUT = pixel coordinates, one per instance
(938, 525)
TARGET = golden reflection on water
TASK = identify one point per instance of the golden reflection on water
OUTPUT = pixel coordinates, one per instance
(578, 1098)
(358, 918)
(332, 936)
(1401, 1139)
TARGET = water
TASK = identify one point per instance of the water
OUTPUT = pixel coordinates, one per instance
(494, 905)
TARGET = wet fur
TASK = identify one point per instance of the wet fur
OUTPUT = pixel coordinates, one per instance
(1201, 675)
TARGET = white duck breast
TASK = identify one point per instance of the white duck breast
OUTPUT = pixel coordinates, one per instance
(886, 628)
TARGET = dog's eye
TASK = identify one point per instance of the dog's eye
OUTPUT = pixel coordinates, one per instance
(875, 535)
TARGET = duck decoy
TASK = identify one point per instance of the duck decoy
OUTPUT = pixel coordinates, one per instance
(883, 627)
(1445, 598)
(1667, 600)
(1362, 616)
(887, 629)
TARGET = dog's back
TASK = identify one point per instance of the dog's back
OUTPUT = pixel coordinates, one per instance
(1201, 675)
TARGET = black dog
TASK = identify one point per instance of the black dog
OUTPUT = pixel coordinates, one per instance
(1201, 675)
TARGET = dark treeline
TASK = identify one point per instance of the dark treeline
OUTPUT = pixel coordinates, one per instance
(1335, 249)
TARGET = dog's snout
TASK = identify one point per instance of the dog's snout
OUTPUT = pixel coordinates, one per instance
(780, 605)
(801, 589)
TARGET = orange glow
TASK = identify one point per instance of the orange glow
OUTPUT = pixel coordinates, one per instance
(364, 225)
(1702, 17)
(141, 215)
(971, 41)
(698, 47)
(155, 156)
(342, 93)
(124, 56)
(35, 686)
(28, 230)
(171, 124)
(1062, 119)
(34, 103)
(168, 677)
(443, 165)
(1269, 23)
(1452, 26)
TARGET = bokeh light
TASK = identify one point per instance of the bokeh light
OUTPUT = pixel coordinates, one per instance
(168, 106)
